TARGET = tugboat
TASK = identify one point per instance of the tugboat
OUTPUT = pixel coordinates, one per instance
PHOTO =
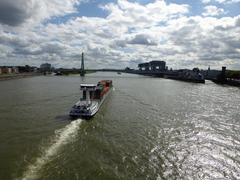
(92, 98)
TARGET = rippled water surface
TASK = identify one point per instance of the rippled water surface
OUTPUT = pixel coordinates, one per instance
(148, 128)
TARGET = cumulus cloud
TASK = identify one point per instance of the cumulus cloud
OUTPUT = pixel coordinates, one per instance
(221, 1)
(209, 40)
(12, 13)
(16, 12)
(130, 33)
(138, 39)
(206, 1)
(143, 39)
(133, 13)
(212, 11)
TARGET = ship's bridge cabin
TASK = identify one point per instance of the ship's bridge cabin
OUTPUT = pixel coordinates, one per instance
(95, 92)
(90, 92)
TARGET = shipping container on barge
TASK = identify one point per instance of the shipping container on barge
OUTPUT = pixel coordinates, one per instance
(92, 98)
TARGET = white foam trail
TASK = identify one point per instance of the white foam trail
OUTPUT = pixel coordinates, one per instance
(62, 137)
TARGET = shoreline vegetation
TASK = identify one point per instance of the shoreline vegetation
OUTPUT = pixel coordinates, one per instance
(4, 77)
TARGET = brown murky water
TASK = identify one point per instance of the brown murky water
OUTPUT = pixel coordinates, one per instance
(148, 128)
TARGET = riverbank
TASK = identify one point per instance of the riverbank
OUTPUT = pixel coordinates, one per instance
(71, 72)
(4, 77)
(230, 82)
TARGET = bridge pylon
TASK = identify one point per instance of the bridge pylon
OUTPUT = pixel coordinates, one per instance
(82, 71)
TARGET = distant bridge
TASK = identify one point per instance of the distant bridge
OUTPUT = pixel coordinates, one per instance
(108, 70)
(155, 73)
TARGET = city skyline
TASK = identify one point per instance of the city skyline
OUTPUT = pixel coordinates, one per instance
(118, 34)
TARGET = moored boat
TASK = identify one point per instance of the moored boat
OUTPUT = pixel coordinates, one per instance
(187, 75)
(92, 98)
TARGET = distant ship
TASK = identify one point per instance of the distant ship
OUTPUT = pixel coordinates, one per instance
(92, 99)
(119, 73)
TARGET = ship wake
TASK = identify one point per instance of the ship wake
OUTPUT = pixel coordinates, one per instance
(62, 137)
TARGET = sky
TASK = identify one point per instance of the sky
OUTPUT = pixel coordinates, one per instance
(120, 33)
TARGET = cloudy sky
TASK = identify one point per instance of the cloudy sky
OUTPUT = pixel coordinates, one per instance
(120, 33)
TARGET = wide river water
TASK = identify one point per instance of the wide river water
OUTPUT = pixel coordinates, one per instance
(148, 128)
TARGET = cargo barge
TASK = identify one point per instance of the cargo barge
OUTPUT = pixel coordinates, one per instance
(92, 98)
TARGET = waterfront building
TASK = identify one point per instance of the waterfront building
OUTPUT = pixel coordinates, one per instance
(143, 66)
(9, 70)
(153, 66)
(15, 69)
(6, 70)
(46, 67)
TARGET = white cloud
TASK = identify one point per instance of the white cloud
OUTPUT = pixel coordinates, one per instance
(131, 33)
(221, 1)
(206, 1)
(16, 12)
(212, 11)
(144, 16)
(228, 1)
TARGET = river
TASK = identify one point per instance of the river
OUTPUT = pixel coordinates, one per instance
(148, 128)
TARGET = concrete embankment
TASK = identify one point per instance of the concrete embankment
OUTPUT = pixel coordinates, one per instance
(17, 76)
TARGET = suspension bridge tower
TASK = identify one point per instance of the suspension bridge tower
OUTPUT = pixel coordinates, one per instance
(82, 71)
